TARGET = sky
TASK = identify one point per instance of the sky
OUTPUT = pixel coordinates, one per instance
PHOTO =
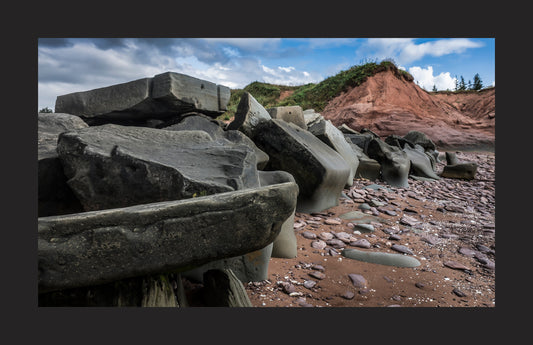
(67, 65)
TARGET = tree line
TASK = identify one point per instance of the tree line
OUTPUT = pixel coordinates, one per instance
(460, 84)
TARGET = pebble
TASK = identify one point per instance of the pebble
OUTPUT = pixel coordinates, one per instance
(317, 275)
(331, 221)
(348, 295)
(336, 243)
(309, 235)
(455, 265)
(303, 303)
(361, 243)
(325, 236)
(458, 292)
(420, 285)
(402, 249)
(364, 227)
(344, 236)
(358, 280)
(318, 244)
(318, 267)
(467, 251)
(364, 207)
(298, 225)
(309, 284)
(430, 239)
(408, 220)
(394, 237)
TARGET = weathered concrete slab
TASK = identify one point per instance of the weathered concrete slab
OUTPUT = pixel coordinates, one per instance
(98, 247)
(163, 96)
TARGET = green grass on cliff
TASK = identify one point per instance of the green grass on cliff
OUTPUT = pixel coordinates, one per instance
(314, 96)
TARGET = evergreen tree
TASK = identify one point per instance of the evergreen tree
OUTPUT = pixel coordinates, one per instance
(462, 85)
(477, 85)
(434, 88)
(456, 83)
(469, 85)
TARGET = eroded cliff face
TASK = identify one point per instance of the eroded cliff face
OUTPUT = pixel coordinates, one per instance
(389, 105)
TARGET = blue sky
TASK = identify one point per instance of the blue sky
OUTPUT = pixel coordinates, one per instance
(68, 65)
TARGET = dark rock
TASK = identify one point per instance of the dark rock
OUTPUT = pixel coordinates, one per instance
(309, 284)
(223, 289)
(107, 161)
(103, 246)
(394, 162)
(54, 194)
(465, 171)
(358, 280)
(402, 249)
(319, 171)
(421, 139)
(398, 141)
(458, 292)
(367, 168)
(248, 115)
(451, 158)
(331, 136)
(317, 275)
(348, 295)
(199, 122)
(420, 163)
(361, 243)
(164, 96)
(293, 114)
(388, 259)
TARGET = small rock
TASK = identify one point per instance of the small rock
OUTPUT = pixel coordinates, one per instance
(447, 235)
(458, 292)
(348, 295)
(288, 287)
(358, 280)
(455, 265)
(309, 235)
(363, 227)
(318, 267)
(318, 244)
(303, 303)
(336, 243)
(467, 251)
(331, 221)
(309, 284)
(394, 237)
(317, 275)
(326, 236)
(402, 249)
(408, 220)
(344, 236)
(420, 285)
(298, 224)
(430, 239)
(364, 207)
(361, 243)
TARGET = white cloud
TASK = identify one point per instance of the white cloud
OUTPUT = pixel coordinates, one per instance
(406, 50)
(425, 78)
(286, 69)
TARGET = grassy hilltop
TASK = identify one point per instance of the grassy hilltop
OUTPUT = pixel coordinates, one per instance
(314, 96)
